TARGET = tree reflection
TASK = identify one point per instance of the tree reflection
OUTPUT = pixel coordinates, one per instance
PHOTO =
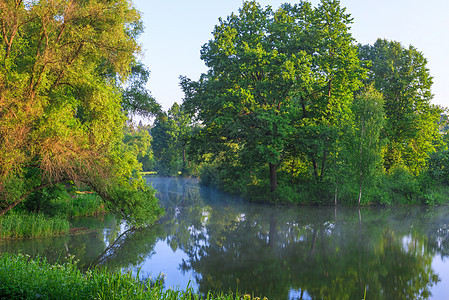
(85, 247)
(271, 251)
(130, 249)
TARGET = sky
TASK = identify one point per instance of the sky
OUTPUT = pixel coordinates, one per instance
(175, 30)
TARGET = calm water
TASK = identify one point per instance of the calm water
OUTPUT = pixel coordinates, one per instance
(218, 242)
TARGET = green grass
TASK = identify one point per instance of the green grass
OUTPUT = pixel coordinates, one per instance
(83, 205)
(64, 201)
(53, 220)
(26, 225)
(24, 278)
(48, 212)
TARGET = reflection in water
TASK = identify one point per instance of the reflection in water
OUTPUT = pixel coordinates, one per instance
(85, 247)
(221, 243)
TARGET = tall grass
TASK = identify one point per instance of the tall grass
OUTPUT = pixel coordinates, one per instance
(26, 225)
(48, 214)
(24, 278)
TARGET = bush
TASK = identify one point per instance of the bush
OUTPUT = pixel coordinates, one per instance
(399, 187)
(64, 201)
(84, 205)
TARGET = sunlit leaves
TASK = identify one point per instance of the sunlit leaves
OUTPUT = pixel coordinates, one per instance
(61, 113)
(402, 76)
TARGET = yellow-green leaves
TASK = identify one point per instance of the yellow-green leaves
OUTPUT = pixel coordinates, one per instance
(60, 104)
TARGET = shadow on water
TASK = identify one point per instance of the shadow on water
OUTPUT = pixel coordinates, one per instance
(222, 243)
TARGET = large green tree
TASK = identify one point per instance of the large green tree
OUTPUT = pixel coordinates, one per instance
(274, 77)
(402, 76)
(61, 116)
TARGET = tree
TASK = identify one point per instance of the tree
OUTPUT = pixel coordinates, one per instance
(365, 145)
(60, 106)
(411, 128)
(274, 75)
(336, 75)
(184, 128)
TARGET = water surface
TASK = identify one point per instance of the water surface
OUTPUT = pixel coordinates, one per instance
(214, 241)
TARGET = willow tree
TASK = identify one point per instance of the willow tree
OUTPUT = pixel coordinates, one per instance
(61, 119)
(274, 77)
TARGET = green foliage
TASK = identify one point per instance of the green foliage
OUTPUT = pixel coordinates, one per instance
(439, 166)
(136, 98)
(82, 206)
(436, 195)
(274, 75)
(24, 278)
(400, 187)
(26, 225)
(138, 141)
(411, 128)
(361, 151)
(63, 114)
(45, 200)
(171, 133)
(283, 105)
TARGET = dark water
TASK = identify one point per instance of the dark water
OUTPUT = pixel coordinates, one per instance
(217, 242)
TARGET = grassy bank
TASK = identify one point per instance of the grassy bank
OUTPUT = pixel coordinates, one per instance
(23, 278)
(27, 225)
(48, 213)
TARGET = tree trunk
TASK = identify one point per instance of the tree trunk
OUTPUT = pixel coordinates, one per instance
(273, 179)
(183, 158)
(323, 165)
(360, 193)
(336, 195)
(315, 169)
(24, 196)
(361, 162)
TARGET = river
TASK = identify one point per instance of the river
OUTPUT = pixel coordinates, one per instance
(212, 241)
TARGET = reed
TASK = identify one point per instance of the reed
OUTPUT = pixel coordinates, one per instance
(27, 225)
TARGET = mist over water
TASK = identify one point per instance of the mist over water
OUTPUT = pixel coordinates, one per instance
(214, 241)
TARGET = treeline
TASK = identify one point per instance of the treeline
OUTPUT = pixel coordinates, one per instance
(293, 110)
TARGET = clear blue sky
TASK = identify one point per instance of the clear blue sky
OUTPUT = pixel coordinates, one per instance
(175, 30)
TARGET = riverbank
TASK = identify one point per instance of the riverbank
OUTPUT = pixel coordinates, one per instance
(49, 214)
(25, 278)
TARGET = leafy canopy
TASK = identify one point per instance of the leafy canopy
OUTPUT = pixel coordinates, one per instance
(61, 116)
(274, 75)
